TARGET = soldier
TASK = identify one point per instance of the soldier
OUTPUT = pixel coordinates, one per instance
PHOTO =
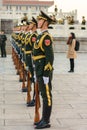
(24, 34)
(83, 21)
(43, 59)
(3, 39)
(29, 41)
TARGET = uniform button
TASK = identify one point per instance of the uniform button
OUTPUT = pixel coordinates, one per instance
(39, 61)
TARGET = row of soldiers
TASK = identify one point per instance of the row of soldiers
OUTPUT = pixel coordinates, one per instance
(33, 56)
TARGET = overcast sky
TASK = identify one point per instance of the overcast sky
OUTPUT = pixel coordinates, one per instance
(69, 5)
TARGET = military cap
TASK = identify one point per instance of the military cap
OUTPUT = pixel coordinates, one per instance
(24, 20)
(83, 16)
(34, 21)
(27, 23)
(45, 17)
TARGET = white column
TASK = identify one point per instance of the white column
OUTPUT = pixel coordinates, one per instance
(29, 13)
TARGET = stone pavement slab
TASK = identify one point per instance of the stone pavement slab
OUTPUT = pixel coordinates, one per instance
(69, 96)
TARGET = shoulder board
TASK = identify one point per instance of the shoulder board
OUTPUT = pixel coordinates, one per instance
(33, 39)
(42, 38)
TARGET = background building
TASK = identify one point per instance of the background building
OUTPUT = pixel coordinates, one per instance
(11, 11)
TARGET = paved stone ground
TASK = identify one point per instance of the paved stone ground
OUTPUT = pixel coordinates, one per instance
(69, 96)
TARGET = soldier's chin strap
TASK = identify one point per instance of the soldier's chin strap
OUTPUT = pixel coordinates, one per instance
(43, 23)
(33, 27)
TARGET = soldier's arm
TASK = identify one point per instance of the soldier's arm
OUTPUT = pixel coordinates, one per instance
(33, 39)
(49, 55)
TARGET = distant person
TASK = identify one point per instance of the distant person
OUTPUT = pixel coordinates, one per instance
(0, 39)
(71, 50)
(3, 39)
(83, 21)
(70, 19)
(56, 10)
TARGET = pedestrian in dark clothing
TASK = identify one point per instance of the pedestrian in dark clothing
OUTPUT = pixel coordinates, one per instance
(3, 39)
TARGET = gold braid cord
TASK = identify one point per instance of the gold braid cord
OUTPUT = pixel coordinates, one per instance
(48, 67)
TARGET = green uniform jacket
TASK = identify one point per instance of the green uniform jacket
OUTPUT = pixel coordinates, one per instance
(29, 43)
(43, 54)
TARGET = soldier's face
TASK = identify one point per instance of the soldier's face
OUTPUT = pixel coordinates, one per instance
(28, 28)
(23, 28)
(31, 26)
(40, 22)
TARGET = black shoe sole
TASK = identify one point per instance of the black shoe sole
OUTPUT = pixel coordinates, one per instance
(30, 105)
(37, 123)
(24, 90)
(42, 127)
(70, 71)
(20, 80)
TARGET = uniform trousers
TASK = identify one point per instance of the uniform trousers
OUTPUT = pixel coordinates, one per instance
(45, 90)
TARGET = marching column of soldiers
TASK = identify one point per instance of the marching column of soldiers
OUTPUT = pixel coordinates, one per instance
(33, 57)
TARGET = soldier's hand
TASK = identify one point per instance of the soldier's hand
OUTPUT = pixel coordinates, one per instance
(46, 80)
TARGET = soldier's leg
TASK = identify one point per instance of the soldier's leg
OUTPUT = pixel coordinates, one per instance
(1, 50)
(47, 103)
(4, 50)
(30, 65)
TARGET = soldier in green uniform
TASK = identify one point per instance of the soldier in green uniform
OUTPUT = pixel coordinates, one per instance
(23, 37)
(43, 59)
(14, 37)
(29, 43)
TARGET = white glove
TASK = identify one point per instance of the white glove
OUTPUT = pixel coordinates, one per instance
(46, 80)
(34, 65)
(35, 79)
(26, 68)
